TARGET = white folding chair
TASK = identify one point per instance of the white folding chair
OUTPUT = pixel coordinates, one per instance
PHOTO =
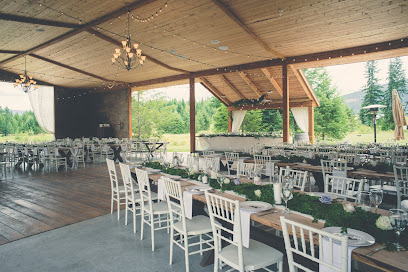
(117, 192)
(343, 187)
(309, 239)
(401, 183)
(224, 211)
(157, 213)
(232, 160)
(182, 230)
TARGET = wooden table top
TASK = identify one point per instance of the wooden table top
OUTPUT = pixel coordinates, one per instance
(383, 260)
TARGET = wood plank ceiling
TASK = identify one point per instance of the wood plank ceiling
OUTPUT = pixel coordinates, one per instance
(71, 43)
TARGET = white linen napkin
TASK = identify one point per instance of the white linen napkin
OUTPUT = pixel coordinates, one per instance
(245, 226)
(161, 189)
(336, 256)
(188, 204)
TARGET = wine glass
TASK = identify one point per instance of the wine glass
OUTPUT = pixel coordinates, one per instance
(398, 220)
(365, 200)
(376, 198)
(287, 189)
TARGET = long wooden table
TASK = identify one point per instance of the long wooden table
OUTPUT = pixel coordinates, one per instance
(383, 260)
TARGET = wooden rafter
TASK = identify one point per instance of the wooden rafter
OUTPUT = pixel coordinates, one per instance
(274, 83)
(250, 83)
(117, 43)
(114, 14)
(9, 52)
(73, 69)
(305, 85)
(214, 91)
(36, 21)
(242, 25)
(276, 104)
(232, 87)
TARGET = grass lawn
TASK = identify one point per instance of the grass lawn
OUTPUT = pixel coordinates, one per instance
(26, 138)
(177, 142)
(382, 137)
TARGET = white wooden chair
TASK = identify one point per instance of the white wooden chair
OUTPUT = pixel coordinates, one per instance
(117, 192)
(56, 159)
(343, 187)
(336, 168)
(268, 167)
(401, 183)
(249, 170)
(182, 230)
(211, 163)
(157, 213)
(298, 177)
(207, 153)
(232, 160)
(224, 211)
(306, 246)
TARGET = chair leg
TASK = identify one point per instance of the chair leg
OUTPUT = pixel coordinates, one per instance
(118, 204)
(171, 244)
(280, 266)
(152, 230)
(126, 214)
(142, 217)
(112, 196)
(201, 244)
(186, 252)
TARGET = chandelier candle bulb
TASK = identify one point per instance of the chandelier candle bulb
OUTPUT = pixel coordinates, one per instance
(277, 193)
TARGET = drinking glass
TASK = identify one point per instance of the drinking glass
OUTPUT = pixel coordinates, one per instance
(365, 200)
(287, 189)
(376, 198)
(398, 220)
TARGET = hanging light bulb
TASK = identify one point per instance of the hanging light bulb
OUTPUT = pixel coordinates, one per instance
(25, 82)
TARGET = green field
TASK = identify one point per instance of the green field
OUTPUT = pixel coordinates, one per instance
(27, 138)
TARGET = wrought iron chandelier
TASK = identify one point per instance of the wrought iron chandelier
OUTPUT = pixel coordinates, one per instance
(25, 82)
(130, 56)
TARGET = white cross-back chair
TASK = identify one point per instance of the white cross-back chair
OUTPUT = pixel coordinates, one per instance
(346, 188)
(304, 241)
(232, 159)
(224, 211)
(154, 214)
(183, 230)
(132, 195)
(401, 183)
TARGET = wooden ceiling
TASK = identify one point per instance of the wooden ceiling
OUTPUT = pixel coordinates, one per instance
(71, 43)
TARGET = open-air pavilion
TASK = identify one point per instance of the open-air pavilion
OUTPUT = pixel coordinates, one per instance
(238, 50)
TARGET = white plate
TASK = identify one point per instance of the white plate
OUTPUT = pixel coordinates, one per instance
(198, 189)
(174, 177)
(319, 194)
(154, 170)
(256, 206)
(356, 237)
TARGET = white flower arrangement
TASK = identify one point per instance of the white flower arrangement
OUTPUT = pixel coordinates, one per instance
(258, 193)
(213, 175)
(373, 163)
(192, 172)
(348, 207)
(384, 223)
(171, 165)
(200, 178)
(227, 181)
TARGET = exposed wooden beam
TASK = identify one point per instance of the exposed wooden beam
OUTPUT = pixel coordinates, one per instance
(250, 83)
(117, 43)
(274, 83)
(305, 84)
(232, 87)
(74, 69)
(242, 25)
(130, 112)
(229, 121)
(36, 21)
(192, 116)
(311, 124)
(285, 104)
(276, 104)
(9, 52)
(214, 91)
(114, 14)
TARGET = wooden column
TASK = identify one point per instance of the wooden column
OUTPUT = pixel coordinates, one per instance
(229, 121)
(285, 102)
(130, 111)
(192, 116)
(311, 124)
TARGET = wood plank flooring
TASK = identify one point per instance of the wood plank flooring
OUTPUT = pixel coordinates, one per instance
(32, 203)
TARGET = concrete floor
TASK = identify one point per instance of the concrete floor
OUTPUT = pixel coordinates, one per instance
(98, 244)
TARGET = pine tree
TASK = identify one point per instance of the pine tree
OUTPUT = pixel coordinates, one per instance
(397, 81)
(372, 92)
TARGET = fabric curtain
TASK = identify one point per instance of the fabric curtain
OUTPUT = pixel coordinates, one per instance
(301, 116)
(237, 118)
(42, 102)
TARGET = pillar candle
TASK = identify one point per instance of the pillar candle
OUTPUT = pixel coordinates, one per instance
(277, 193)
(205, 179)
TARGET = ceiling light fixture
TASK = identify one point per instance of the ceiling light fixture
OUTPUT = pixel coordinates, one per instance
(130, 56)
(25, 82)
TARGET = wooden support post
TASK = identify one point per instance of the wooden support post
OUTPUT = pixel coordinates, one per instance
(130, 112)
(192, 116)
(311, 124)
(285, 101)
(229, 121)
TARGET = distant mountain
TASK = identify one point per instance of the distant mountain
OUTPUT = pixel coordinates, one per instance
(354, 100)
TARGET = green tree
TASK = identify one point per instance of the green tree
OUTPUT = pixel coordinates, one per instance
(272, 120)
(221, 119)
(331, 118)
(397, 81)
(252, 121)
(372, 92)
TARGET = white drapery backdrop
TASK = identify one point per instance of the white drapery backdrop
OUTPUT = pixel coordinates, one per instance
(237, 118)
(301, 116)
(42, 102)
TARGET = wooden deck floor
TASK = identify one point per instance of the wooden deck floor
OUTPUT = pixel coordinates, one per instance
(32, 203)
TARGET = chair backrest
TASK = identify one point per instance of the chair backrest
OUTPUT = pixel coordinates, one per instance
(213, 163)
(231, 156)
(226, 212)
(127, 181)
(401, 183)
(208, 152)
(249, 170)
(337, 168)
(298, 179)
(192, 159)
(144, 189)
(174, 197)
(262, 159)
(343, 187)
(112, 173)
(304, 245)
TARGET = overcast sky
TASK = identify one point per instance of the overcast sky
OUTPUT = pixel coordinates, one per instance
(348, 78)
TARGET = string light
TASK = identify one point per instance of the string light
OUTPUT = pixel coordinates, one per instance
(141, 19)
